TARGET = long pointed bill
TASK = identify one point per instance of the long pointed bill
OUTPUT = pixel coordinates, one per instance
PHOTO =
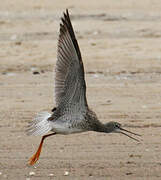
(121, 129)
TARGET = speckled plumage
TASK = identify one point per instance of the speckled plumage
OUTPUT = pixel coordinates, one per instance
(72, 113)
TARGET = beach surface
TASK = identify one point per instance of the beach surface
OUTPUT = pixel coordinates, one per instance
(120, 42)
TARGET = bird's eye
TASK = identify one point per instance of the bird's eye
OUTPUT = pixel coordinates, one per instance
(117, 125)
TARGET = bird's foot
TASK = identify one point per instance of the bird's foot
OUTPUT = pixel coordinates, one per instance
(34, 158)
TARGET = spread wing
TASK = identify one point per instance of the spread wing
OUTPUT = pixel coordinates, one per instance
(70, 86)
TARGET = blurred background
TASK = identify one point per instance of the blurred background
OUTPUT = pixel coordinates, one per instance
(120, 42)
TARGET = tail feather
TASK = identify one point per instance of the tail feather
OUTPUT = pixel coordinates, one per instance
(40, 125)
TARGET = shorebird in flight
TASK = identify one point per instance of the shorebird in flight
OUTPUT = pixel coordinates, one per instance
(72, 113)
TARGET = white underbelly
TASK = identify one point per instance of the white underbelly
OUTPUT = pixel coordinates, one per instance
(64, 128)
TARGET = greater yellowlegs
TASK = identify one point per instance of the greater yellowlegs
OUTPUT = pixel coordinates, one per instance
(72, 113)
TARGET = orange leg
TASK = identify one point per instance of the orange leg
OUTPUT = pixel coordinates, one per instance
(35, 157)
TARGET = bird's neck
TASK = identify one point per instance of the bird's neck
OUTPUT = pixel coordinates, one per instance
(104, 128)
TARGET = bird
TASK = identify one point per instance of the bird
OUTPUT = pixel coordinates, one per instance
(72, 113)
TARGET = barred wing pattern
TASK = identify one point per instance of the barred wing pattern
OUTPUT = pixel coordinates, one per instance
(70, 87)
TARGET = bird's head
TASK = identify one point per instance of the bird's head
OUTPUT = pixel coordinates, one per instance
(115, 127)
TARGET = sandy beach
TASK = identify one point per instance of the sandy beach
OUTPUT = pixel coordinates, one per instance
(120, 42)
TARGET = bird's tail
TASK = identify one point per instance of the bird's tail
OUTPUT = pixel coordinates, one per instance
(40, 125)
